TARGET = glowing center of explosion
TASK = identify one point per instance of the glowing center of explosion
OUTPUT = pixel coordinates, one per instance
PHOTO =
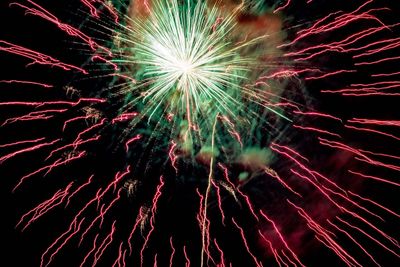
(185, 67)
(190, 66)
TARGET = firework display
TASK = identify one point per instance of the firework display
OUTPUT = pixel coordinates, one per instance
(201, 132)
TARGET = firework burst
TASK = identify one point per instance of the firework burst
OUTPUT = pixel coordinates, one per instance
(207, 133)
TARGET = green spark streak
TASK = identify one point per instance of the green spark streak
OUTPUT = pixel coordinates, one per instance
(189, 65)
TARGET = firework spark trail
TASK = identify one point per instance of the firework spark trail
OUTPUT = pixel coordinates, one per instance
(374, 178)
(99, 195)
(171, 259)
(276, 176)
(157, 195)
(89, 181)
(204, 225)
(43, 13)
(356, 242)
(133, 139)
(218, 192)
(45, 85)
(75, 119)
(36, 57)
(40, 104)
(273, 250)
(375, 203)
(222, 261)
(121, 256)
(368, 235)
(187, 264)
(256, 261)
(172, 155)
(50, 167)
(326, 237)
(44, 207)
(94, 11)
(34, 115)
(74, 228)
(281, 238)
(91, 251)
(29, 149)
(362, 157)
(22, 142)
(104, 245)
(100, 217)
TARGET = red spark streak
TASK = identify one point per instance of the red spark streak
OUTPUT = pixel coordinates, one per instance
(276, 176)
(75, 145)
(91, 251)
(153, 212)
(290, 150)
(374, 178)
(353, 203)
(172, 156)
(39, 104)
(155, 260)
(328, 241)
(222, 264)
(375, 122)
(79, 189)
(75, 119)
(373, 131)
(28, 82)
(138, 220)
(219, 201)
(49, 168)
(8, 156)
(274, 252)
(375, 203)
(103, 246)
(245, 243)
(124, 117)
(187, 264)
(36, 57)
(317, 114)
(101, 215)
(121, 256)
(23, 142)
(75, 229)
(303, 167)
(368, 235)
(282, 7)
(329, 74)
(124, 76)
(43, 13)
(78, 138)
(115, 66)
(377, 61)
(281, 237)
(355, 241)
(247, 199)
(93, 9)
(171, 259)
(35, 115)
(130, 141)
(358, 152)
(45, 206)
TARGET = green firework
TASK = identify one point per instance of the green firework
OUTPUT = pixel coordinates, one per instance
(189, 67)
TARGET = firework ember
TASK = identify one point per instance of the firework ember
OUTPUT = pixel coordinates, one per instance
(200, 132)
